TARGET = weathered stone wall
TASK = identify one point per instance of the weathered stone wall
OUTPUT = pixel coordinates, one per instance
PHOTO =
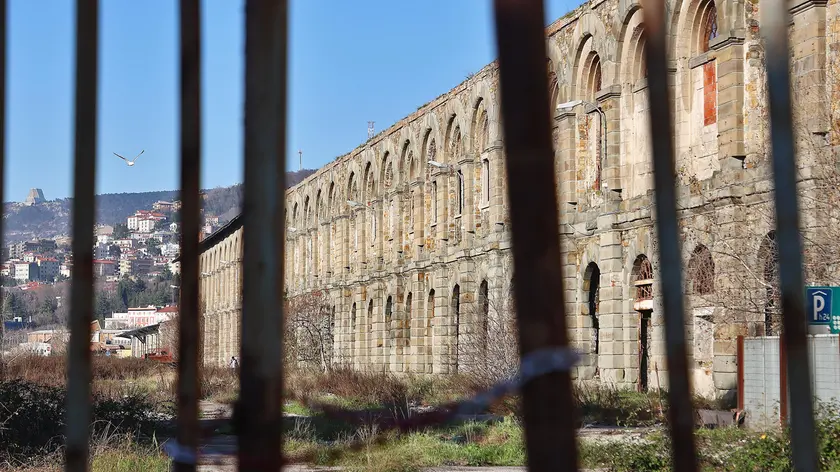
(220, 298)
(391, 237)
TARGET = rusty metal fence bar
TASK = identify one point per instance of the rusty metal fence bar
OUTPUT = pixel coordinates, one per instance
(188, 330)
(260, 408)
(680, 411)
(776, 19)
(84, 217)
(548, 407)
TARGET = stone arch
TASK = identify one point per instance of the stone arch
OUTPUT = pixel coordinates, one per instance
(307, 212)
(556, 67)
(319, 207)
(701, 270)
(429, 331)
(589, 76)
(332, 200)
(631, 46)
(388, 178)
(688, 23)
(454, 144)
(353, 187)
(482, 94)
(369, 188)
(590, 35)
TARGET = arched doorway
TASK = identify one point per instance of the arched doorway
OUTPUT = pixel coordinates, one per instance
(643, 304)
(406, 335)
(430, 332)
(387, 342)
(455, 305)
(591, 286)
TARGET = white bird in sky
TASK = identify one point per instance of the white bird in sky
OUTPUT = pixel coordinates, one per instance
(131, 162)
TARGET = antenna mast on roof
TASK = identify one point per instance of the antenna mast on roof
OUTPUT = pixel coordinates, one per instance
(370, 129)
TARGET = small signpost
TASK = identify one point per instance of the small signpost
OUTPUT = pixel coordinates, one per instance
(820, 307)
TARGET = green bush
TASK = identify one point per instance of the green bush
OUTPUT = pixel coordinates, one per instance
(32, 418)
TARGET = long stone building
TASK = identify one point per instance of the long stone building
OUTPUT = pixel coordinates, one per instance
(408, 234)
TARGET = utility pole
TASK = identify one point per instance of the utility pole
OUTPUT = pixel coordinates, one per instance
(300, 158)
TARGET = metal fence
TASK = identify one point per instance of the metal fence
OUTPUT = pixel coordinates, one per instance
(546, 382)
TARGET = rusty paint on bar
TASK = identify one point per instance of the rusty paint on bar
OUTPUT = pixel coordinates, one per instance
(549, 411)
(3, 31)
(259, 408)
(84, 211)
(681, 415)
(775, 21)
(188, 332)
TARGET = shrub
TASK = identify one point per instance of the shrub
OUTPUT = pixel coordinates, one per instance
(32, 418)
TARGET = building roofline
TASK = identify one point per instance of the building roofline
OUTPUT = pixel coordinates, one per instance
(219, 235)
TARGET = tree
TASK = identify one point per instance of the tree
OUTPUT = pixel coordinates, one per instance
(121, 231)
(488, 344)
(735, 280)
(161, 225)
(309, 331)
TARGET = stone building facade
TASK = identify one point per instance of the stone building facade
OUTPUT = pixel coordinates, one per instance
(220, 293)
(408, 234)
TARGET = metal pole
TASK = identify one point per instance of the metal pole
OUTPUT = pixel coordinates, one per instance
(549, 410)
(681, 414)
(260, 408)
(189, 338)
(775, 21)
(84, 200)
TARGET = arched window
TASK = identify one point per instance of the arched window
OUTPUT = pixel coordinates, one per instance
(709, 26)
(460, 202)
(643, 278)
(701, 270)
(592, 281)
(456, 316)
(485, 181)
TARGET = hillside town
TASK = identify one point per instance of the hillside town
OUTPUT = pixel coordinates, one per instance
(139, 254)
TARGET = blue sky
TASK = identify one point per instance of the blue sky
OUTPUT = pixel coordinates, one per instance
(350, 62)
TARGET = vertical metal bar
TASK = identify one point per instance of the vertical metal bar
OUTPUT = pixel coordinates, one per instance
(3, 31)
(188, 332)
(549, 410)
(261, 376)
(803, 443)
(740, 360)
(679, 391)
(794, 335)
(84, 211)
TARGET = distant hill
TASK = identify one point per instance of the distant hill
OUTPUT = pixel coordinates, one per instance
(52, 218)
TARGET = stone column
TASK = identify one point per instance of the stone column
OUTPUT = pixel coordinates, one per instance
(615, 337)
(808, 63)
(729, 63)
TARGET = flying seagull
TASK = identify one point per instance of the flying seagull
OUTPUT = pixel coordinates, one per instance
(131, 162)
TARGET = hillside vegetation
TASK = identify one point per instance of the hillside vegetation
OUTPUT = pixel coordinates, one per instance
(52, 218)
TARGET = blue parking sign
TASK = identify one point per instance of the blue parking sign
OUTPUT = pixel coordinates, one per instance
(818, 305)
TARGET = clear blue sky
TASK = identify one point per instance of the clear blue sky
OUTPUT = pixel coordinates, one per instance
(350, 62)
